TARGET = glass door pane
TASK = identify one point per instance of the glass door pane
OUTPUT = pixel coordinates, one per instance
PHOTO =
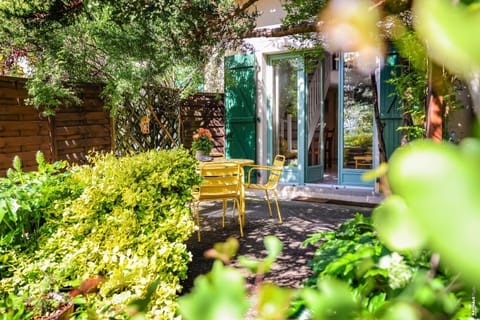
(285, 109)
(358, 104)
(315, 151)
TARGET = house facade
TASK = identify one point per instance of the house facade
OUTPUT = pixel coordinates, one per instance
(317, 109)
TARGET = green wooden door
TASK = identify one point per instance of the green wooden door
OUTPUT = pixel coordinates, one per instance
(390, 113)
(240, 117)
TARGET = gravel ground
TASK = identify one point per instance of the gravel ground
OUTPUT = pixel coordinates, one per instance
(300, 219)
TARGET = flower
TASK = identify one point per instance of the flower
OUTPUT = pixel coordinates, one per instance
(399, 272)
(202, 141)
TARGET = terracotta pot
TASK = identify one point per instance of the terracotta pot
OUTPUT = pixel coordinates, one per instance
(63, 312)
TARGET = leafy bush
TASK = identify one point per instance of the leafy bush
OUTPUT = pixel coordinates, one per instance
(383, 283)
(129, 226)
(28, 199)
(355, 277)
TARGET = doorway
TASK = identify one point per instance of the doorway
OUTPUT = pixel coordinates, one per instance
(286, 110)
(296, 112)
(321, 119)
(330, 151)
(345, 139)
(355, 122)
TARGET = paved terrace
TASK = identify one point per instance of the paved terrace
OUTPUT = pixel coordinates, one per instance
(327, 192)
(305, 210)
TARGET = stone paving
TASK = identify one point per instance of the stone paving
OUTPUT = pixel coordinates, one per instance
(300, 219)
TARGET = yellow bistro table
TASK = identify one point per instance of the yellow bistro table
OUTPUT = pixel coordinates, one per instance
(242, 163)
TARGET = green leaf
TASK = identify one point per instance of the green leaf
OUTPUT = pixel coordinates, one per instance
(273, 301)
(402, 311)
(252, 265)
(440, 186)
(375, 173)
(224, 251)
(448, 30)
(396, 226)
(219, 295)
(141, 305)
(333, 300)
(273, 245)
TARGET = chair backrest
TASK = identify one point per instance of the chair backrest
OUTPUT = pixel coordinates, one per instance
(220, 180)
(276, 171)
(279, 161)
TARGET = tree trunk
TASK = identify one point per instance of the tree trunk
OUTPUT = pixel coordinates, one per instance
(382, 180)
(435, 103)
(435, 116)
(381, 141)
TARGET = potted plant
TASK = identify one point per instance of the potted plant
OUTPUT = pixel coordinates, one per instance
(202, 142)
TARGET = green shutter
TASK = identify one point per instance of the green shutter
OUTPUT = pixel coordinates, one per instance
(240, 122)
(390, 113)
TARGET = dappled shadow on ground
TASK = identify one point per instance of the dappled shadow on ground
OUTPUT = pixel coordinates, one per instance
(300, 220)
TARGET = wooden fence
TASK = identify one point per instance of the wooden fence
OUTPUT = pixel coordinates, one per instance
(204, 111)
(69, 135)
(162, 120)
(73, 132)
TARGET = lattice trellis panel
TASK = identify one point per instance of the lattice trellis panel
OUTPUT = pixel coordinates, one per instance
(163, 121)
(159, 107)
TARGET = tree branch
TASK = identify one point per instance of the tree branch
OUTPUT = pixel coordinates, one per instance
(56, 11)
(235, 12)
(305, 27)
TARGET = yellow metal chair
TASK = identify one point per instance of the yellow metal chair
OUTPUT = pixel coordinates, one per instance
(274, 175)
(221, 181)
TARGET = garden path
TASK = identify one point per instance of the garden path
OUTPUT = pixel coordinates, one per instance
(300, 219)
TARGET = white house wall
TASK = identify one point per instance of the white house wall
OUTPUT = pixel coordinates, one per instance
(271, 13)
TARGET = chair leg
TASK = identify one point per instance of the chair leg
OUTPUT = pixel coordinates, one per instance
(224, 210)
(234, 206)
(278, 208)
(196, 213)
(240, 218)
(268, 203)
(243, 215)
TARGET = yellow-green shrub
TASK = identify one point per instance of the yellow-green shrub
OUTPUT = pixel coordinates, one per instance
(129, 225)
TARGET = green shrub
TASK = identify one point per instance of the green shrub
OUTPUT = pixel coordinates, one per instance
(383, 282)
(28, 199)
(355, 277)
(129, 225)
